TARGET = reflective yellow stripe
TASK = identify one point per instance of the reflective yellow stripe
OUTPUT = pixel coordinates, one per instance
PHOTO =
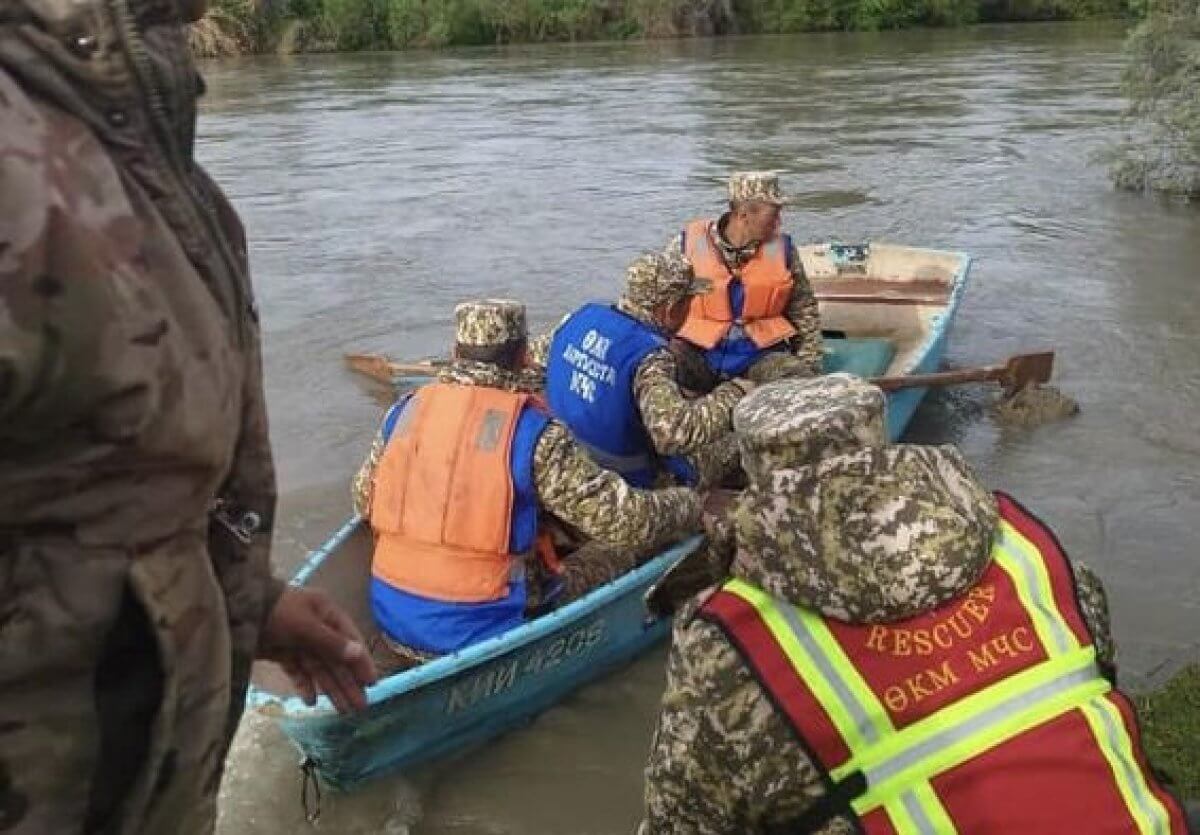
(937, 820)
(975, 724)
(1022, 562)
(853, 708)
(931, 804)
(1109, 729)
(902, 821)
(853, 680)
(1021, 559)
(918, 811)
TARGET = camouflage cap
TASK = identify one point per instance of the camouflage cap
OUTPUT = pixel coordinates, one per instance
(797, 422)
(869, 535)
(489, 322)
(657, 279)
(755, 186)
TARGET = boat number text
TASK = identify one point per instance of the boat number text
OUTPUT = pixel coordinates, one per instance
(502, 676)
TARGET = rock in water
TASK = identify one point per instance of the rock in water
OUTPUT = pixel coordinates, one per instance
(1035, 405)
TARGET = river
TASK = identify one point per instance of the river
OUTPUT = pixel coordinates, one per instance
(378, 190)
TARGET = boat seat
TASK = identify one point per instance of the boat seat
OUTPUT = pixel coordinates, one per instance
(882, 291)
(865, 356)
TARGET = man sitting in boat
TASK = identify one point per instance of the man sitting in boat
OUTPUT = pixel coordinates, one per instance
(898, 650)
(611, 379)
(760, 319)
(462, 486)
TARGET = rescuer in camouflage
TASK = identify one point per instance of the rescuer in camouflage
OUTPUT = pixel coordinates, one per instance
(657, 285)
(137, 492)
(611, 525)
(836, 521)
(806, 354)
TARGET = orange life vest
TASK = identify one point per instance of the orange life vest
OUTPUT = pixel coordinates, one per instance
(986, 715)
(767, 282)
(443, 500)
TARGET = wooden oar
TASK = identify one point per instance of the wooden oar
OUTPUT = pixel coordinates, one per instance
(1014, 375)
(385, 369)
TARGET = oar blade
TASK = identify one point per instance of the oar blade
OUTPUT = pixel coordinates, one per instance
(383, 369)
(375, 366)
(1027, 369)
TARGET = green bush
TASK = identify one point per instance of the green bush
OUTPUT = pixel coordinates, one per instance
(262, 25)
(1161, 151)
(1023, 10)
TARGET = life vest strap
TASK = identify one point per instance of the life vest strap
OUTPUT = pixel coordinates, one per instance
(547, 553)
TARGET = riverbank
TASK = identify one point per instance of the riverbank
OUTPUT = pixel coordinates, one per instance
(1170, 719)
(257, 26)
(1161, 148)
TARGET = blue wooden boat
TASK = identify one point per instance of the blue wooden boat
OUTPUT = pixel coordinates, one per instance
(886, 310)
(889, 309)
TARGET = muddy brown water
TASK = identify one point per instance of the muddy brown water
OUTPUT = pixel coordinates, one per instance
(380, 189)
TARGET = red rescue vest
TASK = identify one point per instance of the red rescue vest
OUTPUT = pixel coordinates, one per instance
(986, 715)
(767, 282)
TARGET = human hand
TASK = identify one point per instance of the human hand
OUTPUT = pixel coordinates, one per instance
(320, 649)
(692, 370)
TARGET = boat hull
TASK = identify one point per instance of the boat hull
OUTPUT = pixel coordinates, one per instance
(462, 700)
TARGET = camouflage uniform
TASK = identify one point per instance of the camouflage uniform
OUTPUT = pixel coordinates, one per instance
(614, 525)
(130, 405)
(807, 353)
(837, 521)
(695, 427)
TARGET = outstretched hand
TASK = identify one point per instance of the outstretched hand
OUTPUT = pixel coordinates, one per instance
(320, 649)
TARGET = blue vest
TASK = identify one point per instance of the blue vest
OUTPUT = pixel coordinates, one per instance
(441, 627)
(594, 357)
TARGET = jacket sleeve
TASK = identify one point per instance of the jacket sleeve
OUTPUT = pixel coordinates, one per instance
(1093, 601)
(678, 424)
(722, 760)
(688, 786)
(244, 571)
(599, 503)
(805, 316)
(363, 488)
(250, 484)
